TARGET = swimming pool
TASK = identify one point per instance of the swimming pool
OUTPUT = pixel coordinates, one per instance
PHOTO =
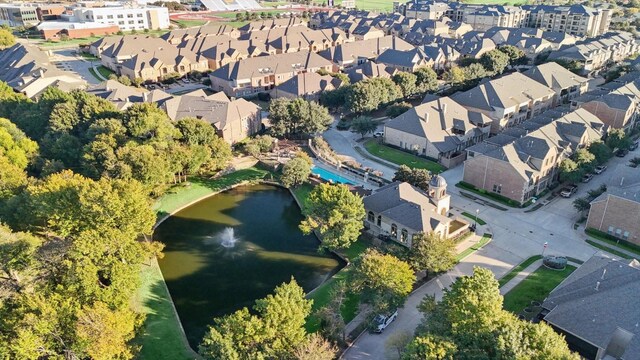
(329, 176)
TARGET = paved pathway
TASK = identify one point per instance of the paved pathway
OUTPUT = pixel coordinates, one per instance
(521, 276)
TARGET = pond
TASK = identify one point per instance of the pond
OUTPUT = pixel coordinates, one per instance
(228, 250)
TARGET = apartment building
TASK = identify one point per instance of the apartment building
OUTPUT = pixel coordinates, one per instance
(261, 74)
(508, 100)
(563, 82)
(409, 61)
(486, 17)
(425, 10)
(617, 213)
(577, 20)
(128, 17)
(595, 53)
(440, 129)
(19, 14)
(308, 86)
(523, 161)
(615, 104)
(359, 52)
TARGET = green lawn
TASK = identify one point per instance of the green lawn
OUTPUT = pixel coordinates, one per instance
(199, 187)
(486, 238)
(536, 286)
(400, 157)
(53, 44)
(160, 336)
(604, 237)
(380, 5)
(516, 270)
(302, 193)
(608, 249)
(93, 72)
(232, 15)
(105, 71)
(474, 218)
(189, 23)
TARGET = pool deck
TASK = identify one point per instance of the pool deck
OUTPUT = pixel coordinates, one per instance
(319, 164)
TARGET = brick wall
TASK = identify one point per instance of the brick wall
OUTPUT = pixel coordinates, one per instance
(483, 172)
(617, 212)
(614, 118)
(56, 34)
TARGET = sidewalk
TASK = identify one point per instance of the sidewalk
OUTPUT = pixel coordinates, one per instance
(521, 276)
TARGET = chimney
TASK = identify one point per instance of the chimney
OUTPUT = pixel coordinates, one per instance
(597, 285)
(604, 271)
(444, 108)
(426, 117)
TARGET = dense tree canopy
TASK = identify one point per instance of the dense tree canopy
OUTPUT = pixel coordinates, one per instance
(416, 177)
(336, 213)
(296, 171)
(470, 323)
(6, 39)
(370, 94)
(298, 117)
(432, 253)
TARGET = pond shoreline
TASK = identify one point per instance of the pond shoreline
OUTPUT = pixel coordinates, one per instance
(344, 261)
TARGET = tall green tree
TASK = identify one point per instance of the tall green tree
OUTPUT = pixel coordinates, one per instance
(407, 83)
(455, 76)
(570, 171)
(370, 94)
(430, 347)
(432, 253)
(426, 79)
(298, 117)
(516, 56)
(585, 160)
(601, 152)
(336, 213)
(295, 172)
(363, 125)
(417, 177)
(618, 139)
(384, 279)
(6, 39)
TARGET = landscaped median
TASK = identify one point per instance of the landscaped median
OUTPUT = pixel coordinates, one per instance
(162, 335)
(400, 157)
(613, 241)
(474, 218)
(486, 238)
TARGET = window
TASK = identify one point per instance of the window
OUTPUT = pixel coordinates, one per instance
(379, 222)
(120, 16)
(130, 16)
(99, 17)
(610, 231)
(139, 15)
(109, 16)
(618, 232)
(130, 21)
(370, 216)
(394, 231)
(404, 235)
(497, 188)
(625, 235)
(120, 22)
(140, 21)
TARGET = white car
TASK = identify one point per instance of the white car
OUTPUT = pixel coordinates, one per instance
(378, 134)
(380, 322)
(600, 169)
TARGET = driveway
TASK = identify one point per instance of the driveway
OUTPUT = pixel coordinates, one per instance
(67, 60)
(344, 143)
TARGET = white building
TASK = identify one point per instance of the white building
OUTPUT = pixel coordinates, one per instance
(126, 17)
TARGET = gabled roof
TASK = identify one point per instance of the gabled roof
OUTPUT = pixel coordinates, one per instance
(555, 76)
(307, 83)
(364, 49)
(268, 65)
(597, 301)
(504, 92)
(407, 205)
(437, 120)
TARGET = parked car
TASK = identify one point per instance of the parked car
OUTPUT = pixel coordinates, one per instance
(600, 169)
(378, 134)
(633, 146)
(587, 177)
(380, 322)
(569, 190)
(622, 153)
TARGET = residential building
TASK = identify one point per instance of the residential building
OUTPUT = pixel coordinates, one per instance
(367, 70)
(405, 60)
(566, 84)
(440, 129)
(401, 211)
(358, 52)
(425, 10)
(178, 36)
(234, 120)
(596, 308)
(616, 212)
(615, 104)
(523, 161)
(127, 17)
(307, 86)
(577, 19)
(508, 100)
(261, 74)
(273, 24)
(595, 53)
(118, 94)
(366, 32)
(485, 17)
(230, 5)
(27, 70)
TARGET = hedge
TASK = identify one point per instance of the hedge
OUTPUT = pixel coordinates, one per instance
(497, 197)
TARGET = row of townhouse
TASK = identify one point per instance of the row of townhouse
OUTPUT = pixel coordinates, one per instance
(595, 53)
(577, 19)
(233, 120)
(523, 161)
(443, 128)
(616, 103)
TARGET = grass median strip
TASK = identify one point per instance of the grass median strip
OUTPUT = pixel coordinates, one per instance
(516, 270)
(486, 238)
(608, 249)
(474, 218)
(619, 243)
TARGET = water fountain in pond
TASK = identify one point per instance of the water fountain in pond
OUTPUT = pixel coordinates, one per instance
(228, 238)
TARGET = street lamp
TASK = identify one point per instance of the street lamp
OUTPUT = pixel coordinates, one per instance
(544, 248)
(475, 220)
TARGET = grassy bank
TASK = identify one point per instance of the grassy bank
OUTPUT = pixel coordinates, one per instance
(400, 157)
(613, 241)
(486, 238)
(474, 218)
(161, 336)
(536, 286)
(609, 249)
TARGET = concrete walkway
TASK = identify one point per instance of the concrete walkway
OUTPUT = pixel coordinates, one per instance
(617, 248)
(521, 276)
